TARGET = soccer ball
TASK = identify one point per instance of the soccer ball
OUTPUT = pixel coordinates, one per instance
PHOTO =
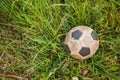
(81, 42)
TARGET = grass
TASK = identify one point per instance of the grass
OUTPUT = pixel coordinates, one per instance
(32, 32)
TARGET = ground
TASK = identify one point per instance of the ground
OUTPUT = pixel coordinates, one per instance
(32, 33)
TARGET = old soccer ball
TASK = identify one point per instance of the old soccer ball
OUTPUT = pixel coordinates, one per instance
(81, 42)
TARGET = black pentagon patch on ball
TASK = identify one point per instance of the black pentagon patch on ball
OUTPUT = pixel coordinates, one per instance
(94, 35)
(67, 48)
(84, 51)
(76, 34)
